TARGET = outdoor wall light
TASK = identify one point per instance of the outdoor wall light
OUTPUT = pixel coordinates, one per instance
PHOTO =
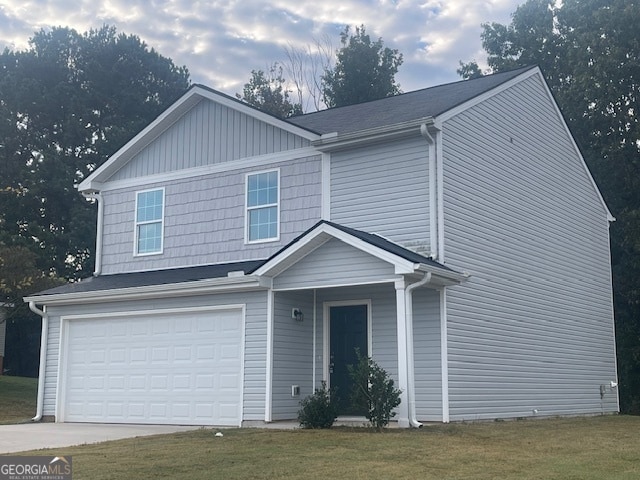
(297, 314)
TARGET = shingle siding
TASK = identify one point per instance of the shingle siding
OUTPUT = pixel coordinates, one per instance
(204, 218)
(531, 333)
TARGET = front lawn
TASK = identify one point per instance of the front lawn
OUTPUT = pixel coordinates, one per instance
(578, 448)
(17, 398)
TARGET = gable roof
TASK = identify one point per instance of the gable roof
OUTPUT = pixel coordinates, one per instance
(428, 102)
(194, 95)
(244, 273)
(405, 261)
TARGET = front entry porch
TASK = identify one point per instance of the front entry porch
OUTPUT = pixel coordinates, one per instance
(400, 292)
(337, 321)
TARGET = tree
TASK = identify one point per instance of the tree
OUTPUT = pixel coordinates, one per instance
(589, 52)
(19, 277)
(67, 103)
(364, 70)
(305, 66)
(268, 92)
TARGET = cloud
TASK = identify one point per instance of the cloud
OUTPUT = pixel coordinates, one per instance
(222, 41)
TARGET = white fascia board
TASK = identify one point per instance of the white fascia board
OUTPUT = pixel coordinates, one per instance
(320, 235)
(167, 118)
(610, 217)
(330, 142)
(501, 88)
(255, 113)
(293, 254)
(195, 172)
(134, 146)
(183, 289)
(486, 95)
(448, 277)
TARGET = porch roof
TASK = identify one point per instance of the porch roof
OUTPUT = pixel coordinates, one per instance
(404, 260)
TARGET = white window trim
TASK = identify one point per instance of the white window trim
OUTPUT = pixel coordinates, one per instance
(136, 224)
(247, 208)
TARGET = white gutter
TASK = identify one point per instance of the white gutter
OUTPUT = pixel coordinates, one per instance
(332, 141)
(182, 289)
(411, 393)
(99, 226)
(43, 359)
(433, 213)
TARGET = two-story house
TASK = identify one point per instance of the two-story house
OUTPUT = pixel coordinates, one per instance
(454, 234)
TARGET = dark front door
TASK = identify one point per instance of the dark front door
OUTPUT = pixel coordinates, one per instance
(348, 333)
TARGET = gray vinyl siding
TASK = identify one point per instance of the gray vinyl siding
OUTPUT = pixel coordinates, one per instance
(292, 353)
(531, 332)
(384, 189)
(334, 263)
(204, 218)
(426, 353)
(255, 341)
(208, 134)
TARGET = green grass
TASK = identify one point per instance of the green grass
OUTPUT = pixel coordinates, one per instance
(17, 399)
(578, 448)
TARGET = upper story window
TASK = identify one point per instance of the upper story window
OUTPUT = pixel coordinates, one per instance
(262, 218)
(149, 221)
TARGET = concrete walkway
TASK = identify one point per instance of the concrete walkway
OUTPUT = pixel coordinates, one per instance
(34, 436)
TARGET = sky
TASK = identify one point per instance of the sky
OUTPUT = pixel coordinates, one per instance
(220, 42)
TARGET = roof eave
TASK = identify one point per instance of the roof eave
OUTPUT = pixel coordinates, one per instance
(445, 277)
(182, 289)
(333, 141)
(172, 114)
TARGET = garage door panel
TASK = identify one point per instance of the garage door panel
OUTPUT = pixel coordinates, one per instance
(178, 368)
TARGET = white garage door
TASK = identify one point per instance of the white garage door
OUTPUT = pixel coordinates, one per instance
(172, 368)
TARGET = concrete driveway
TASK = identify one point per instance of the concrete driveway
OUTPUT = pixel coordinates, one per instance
(34, 436)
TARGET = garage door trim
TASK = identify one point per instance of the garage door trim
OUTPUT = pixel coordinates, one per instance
(61, 387)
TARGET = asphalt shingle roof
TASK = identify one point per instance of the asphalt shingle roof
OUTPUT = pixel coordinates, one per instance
(192, 274)
(428, 102)
(155, 277)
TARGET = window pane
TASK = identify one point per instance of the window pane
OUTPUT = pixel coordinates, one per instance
(263, 223)
(149, 206)
(262, 189)
(149, 237)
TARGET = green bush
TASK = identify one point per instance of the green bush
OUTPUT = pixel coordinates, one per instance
(373, 392)
(318, 410)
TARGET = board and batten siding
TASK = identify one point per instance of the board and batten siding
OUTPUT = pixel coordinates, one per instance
(531, 333)
(384, 189)
(334, 263)
(208, 134)
(254, 348)
(204, 218)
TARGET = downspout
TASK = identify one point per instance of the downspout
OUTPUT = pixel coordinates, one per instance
(411, 394)
(43, 359)
(96, 196)
(433, 212)
(314, 344)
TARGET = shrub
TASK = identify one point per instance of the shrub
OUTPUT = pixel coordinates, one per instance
(373, 392)
(318, 410)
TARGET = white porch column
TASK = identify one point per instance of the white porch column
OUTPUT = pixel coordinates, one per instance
(403, 374)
